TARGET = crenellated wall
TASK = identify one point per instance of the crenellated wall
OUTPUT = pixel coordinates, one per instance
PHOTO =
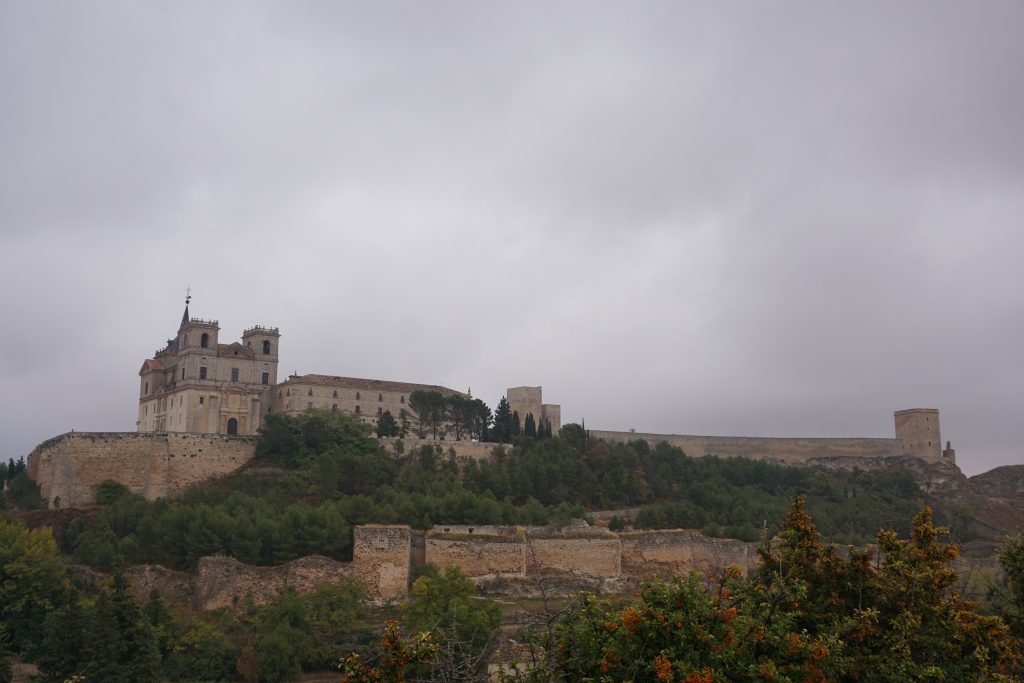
(153, 465)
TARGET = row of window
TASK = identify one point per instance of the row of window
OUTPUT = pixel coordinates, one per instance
(380, 397)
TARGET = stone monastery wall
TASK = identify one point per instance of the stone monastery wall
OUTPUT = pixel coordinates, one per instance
(153, 465)
(782, 450)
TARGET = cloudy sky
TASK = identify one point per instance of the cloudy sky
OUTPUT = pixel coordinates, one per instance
(779, 219)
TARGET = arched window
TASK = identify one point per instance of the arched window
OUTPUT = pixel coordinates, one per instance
(204, 341)
(233, 427)
(266, 346)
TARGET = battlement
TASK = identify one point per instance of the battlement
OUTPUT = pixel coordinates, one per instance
(260, 329)
(200, 321)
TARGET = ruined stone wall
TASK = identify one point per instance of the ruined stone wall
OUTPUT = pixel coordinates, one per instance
(663, 553)
(150, 464)
(485, 552)
(381, 555)
(224, 581)
(783, 450)
(478, 551)
(597, 553)
(463, 449)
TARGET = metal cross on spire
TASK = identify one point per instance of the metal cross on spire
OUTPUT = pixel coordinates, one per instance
(188, 294)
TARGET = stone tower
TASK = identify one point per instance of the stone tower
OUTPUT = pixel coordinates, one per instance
(918, 430)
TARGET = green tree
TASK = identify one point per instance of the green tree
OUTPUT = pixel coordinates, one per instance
(120, 645)
(33, 577)
(464, 627)
(529, 426)
(23, 493)
(431, 410)
(502, 431)
(387, 425)
(62, 651)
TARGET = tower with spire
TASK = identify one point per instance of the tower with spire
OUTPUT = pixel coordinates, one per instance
(196, 384)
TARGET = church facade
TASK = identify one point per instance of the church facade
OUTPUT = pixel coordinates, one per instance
(197, 384)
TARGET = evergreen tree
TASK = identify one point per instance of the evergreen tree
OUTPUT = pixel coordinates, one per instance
(516, 427)
(529, 426)
(502, 432)
(387, 425)
(62, 654)
(121, 647)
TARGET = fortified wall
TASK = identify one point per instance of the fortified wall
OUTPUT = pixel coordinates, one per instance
(156, 465)
(483, 552)
(153, 465)
(916, 436)
(383, 556)
(781, 450)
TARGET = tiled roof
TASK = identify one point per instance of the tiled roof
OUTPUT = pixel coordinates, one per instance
(367, 384)
(152, 364)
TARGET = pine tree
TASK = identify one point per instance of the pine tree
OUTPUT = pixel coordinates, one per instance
(121, 647)
(516, 429)
(61, 654)
(387, 425)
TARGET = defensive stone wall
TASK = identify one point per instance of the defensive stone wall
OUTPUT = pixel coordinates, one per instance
(150, 464)
(591, 552)
(795, 450)
(381, 555)
(463, 449)
(488, 552)
(223, 581)
(649, 554)
(478, 551)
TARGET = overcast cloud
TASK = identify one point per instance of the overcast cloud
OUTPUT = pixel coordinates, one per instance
(780, 219)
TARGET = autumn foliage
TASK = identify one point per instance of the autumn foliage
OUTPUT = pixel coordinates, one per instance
(808, 613)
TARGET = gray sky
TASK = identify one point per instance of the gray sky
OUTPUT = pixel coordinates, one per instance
(772, 219)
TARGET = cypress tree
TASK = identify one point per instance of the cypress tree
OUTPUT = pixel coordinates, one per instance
(530, 426)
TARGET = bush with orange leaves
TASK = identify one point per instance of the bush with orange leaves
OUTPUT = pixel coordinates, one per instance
(805, 615)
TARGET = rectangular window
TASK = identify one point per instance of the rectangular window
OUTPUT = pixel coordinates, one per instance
(380, 397)
(309, 404)
(183, 373)
(334, 407)
(357, 410)
(266, 378)
(147, 388)
(335, 393)
(202, 372)
(402, 399)
(234, 374)
(380, 411)
(201, 399)
(357, 395)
